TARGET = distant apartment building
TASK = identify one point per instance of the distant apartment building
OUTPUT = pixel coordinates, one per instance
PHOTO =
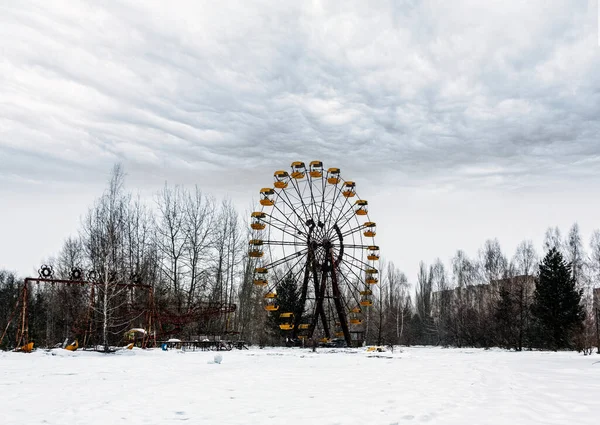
(482, 296)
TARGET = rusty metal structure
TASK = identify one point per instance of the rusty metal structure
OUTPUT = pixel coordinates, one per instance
(158, 321)
(46, 276)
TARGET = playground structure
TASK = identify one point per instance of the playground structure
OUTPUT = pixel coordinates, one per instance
(156, 321)
(313, 228)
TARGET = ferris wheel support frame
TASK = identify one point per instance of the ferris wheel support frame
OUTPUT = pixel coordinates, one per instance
(338, 302)
(321, 289)
(303, 294)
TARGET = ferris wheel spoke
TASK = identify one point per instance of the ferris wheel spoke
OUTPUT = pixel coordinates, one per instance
(285, 274)
(367, 265)
(342, 212)
(351, 297)
(338, 190)
(297, 196)
(350, 217)
(322, 205)
(283, 230)
(345, 245)
(354, 286)
(353, 290)
(292, 224)
(359, 280)
(353, 230)
(286, 259)
(312, 195)
(283, 243)
(296, 186)
(332, 232)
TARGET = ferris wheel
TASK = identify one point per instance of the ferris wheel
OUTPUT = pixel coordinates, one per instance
(314, 229)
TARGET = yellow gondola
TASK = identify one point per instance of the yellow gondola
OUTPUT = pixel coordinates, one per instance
(281, 179)
(260, 276)
(27, 348)
(338, 331)
(349, 189)
(333, 175)
(286, 321)
(271, 302)
(255, 248)
(298, 170)
(371, 276)
(355, 316)
(373, 254)
(370, 229)
(258, 220)
(73, 346)
(365, 297)
(361, 207)
(267, 197)
(316, 169)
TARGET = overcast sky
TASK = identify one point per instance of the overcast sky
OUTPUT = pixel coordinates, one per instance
(459, 120)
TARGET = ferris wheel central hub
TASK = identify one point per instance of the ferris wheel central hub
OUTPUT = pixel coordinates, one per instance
(325, 243)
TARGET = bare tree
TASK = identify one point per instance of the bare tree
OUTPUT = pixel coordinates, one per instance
(553, 239)
(442, 299)
(395, 302)
(595, 257)
(423, 300)
(198, 228)
(575, 255)
(69, 257)
(227, 257)
(103, 238)
(140, 236)
(465, 274)
(520, 289)
(172, 239)
(525, 258)
(493, 261)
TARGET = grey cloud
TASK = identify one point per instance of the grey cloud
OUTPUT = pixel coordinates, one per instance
(422, 91)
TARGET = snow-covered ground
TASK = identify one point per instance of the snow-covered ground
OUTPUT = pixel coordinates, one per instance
(296, 386)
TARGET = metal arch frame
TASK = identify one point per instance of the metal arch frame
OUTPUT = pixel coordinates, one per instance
(22, 336)
(318, 202)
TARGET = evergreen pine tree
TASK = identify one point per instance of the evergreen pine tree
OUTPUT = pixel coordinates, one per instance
(505, 320)
(288, 296)
(288, 300)
(557, 302)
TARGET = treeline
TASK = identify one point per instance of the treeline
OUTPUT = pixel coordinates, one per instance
(517, 302)
(192, 250)
(189, 247)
